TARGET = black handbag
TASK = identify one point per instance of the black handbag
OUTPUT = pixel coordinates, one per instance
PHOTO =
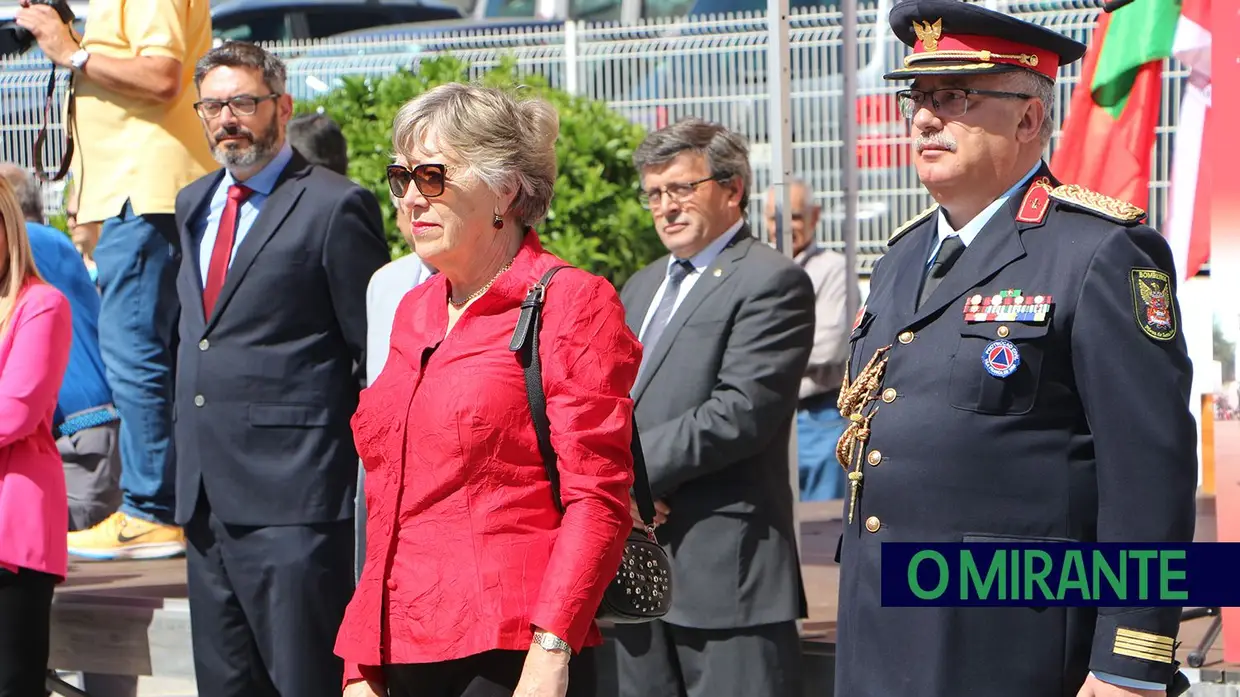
(642, 589)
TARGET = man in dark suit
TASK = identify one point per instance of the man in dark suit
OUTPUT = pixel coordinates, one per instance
(1016, 374)
(727, 325)
(278, 253)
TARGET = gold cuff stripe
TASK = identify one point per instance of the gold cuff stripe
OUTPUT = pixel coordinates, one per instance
(1121, 650)
(1125, 633)
(1144, 646)
(1151, 645)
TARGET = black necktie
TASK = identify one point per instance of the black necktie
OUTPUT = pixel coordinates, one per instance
(663, 313)
(949, 252)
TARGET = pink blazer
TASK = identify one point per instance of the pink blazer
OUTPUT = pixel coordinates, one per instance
(34, 508)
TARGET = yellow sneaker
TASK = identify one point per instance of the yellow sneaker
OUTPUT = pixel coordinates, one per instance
(122, 537)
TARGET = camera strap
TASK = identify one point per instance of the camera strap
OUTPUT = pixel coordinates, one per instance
(67, 159)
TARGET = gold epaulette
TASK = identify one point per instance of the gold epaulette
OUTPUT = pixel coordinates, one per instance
(911, 224)
(1101, 204)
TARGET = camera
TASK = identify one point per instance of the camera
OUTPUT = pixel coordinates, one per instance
(23, 39)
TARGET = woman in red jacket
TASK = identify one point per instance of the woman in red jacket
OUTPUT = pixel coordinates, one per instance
(474, 583)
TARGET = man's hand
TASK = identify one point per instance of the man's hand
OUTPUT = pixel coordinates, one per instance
(53, 35)
(1094, 687)
(661, 512)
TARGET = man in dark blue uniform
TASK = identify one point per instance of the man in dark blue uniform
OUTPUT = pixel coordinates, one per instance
(1018, 373)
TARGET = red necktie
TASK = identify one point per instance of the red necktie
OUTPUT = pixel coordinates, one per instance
(222, 251)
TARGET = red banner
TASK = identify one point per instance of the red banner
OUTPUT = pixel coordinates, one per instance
(1224, 198)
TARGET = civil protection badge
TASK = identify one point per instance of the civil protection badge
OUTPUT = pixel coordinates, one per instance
(1152, 303)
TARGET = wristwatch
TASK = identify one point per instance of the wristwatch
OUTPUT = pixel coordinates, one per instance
(78, 59)
(552, 642)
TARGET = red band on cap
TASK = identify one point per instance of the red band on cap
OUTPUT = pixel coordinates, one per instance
(1048, 61)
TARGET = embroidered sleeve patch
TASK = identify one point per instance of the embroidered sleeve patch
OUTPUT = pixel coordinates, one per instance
(1152, 303)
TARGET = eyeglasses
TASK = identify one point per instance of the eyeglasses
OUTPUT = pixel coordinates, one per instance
(429, 178)
(679, 192)
(951, 102)
(244, 105)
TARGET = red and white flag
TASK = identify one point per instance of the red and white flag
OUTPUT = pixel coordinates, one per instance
(1188, 224)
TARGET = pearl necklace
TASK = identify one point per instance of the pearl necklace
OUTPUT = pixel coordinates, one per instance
(458, 304)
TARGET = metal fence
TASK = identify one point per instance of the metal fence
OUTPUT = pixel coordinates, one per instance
(659, 71)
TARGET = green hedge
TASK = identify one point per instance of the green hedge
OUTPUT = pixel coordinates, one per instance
(596, 220)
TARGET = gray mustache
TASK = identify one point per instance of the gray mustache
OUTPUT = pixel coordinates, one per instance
(940, 140)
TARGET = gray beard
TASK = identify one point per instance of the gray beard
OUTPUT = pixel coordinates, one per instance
(233, 157)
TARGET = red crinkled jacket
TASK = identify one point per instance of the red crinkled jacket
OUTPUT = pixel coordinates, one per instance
(466, 551)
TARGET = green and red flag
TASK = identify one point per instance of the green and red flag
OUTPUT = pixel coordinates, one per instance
(1108, 136)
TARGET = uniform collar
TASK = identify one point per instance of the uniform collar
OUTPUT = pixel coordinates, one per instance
(971, 229)
(706, 257)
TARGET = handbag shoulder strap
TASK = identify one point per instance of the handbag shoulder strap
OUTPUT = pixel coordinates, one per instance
(525, 344)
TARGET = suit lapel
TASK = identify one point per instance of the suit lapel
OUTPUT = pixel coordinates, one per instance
(997, 245)
(908, 259)
(284, 195)
(644, 292)
(712, 277)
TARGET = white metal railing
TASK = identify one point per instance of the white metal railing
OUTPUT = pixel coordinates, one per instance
(658, 71)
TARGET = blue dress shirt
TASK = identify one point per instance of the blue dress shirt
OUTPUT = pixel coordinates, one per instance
(207, 228)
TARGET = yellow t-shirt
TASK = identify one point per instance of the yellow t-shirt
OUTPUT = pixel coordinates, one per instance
(134, 149)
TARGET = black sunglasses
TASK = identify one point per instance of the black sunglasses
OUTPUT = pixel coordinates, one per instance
(429, 178)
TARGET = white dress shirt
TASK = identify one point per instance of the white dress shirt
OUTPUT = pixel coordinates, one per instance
(700, 261)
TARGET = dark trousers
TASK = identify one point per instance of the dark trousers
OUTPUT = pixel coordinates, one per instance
(657, 659)
(265, 605)
(490, 674)
(25, 622)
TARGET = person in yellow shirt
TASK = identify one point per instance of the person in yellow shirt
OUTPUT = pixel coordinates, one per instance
(138, 142)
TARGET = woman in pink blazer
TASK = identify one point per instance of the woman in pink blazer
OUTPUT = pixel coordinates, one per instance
(35, 334)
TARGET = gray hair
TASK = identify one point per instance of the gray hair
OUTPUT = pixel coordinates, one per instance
(26, 189)
(791, 184)
(239, 54)
(726, 153)
(506, 143)
(1044, 91)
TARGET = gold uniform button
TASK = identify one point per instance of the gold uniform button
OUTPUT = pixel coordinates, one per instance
(875, 457)
(1003, 331)
(873, 523)
(889, 395)
(906, 337)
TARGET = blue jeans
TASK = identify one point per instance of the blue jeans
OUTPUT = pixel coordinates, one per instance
(819, 428)
(137, 262)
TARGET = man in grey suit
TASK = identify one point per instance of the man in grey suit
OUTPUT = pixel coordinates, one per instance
(727, 325)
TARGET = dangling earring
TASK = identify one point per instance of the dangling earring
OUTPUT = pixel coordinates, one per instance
(498, 222)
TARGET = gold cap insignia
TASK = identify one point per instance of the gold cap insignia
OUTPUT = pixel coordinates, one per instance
(1103, 205)
(929, 33)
